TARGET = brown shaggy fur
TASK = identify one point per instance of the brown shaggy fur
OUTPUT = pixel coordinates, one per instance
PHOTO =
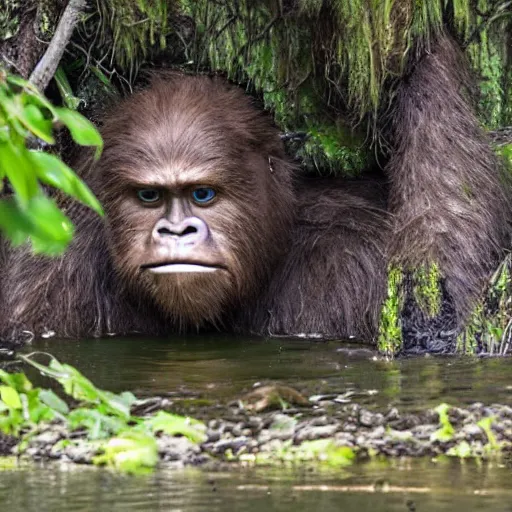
(448, 202)
(297, 257)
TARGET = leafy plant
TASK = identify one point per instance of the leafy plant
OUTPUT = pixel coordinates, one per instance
(29, 213)
(324, 451)
(446, 431)
(123, 441)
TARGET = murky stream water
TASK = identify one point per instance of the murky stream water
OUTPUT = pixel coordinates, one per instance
(219, 369)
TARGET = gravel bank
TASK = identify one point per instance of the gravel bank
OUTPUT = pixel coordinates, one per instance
(244, 435)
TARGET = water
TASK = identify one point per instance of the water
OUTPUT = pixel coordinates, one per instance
(419, 486)
(217, 370)
(221, 368)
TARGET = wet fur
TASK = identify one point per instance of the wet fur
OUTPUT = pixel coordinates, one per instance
(308, 257)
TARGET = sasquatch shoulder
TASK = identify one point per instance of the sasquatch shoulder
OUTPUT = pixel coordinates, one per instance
(333, 281)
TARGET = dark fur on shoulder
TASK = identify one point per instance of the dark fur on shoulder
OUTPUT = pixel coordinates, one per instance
(449, 203)
(333, 280)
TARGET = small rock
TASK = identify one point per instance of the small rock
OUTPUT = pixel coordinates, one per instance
(213, 435)
(50, 437)
(255, 423)
(392, 415)
(311, 433)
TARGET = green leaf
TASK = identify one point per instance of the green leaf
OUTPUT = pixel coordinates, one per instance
(50, 227)
(19, 224)
(446, 432)
(15, 163)
(17, 80)
(173, 425)
(82, 130)
(53, 171)
(55, 402)
(132, 452)
(13, 223)
(327, 452)
(17, 381)
(66, 93)
(462, 450)
(33, 119)
(10, 397)
(98, 425)
(31, 91)
(80, 388)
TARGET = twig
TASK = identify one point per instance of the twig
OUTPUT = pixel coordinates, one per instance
(48, 64)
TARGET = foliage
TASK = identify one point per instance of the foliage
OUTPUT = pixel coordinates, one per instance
(427, 288)
(124, 441)
(390, 329)
(309, 78)
(29, 213)
(489, 327)
(128, 29)
(323, 451)
(447, 433)
(446, 430)
(362, 48)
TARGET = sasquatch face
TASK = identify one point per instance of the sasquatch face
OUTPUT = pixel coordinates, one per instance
(197, 194)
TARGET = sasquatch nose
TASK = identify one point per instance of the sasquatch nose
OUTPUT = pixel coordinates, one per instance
(190, 231)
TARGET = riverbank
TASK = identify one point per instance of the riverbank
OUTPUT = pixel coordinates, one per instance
(323, 432)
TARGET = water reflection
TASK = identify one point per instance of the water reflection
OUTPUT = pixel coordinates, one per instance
(220, 368)
(398, 486)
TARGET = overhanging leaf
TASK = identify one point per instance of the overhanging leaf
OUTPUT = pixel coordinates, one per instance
(33, 119)
(53, 171)
(82, 130)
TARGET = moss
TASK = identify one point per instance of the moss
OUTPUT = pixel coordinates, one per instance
(309, 78)
(330, 148)
(390, 328)
(426, 286)
(489, 327)
(127, 30)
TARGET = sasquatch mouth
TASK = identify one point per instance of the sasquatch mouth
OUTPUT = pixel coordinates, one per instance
(180, 267)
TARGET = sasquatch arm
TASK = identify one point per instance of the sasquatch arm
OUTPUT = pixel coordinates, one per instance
(449, 204)
(332, 283)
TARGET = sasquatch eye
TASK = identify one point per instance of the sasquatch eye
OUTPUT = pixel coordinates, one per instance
(203, 195)
(149, 195)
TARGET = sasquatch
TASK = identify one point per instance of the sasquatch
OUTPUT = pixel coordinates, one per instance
(209, 227)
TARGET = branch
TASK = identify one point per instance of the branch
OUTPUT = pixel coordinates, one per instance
(48, 64)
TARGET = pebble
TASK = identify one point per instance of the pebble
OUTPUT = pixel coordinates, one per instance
(311, 433)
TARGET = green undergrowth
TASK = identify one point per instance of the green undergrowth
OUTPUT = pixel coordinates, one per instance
(121, 440)
(462, 450)
(425, 285)
(426, 289)
(324, 451)
(102, 423)
(389, 340)
(310, 79)
(489, 327)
